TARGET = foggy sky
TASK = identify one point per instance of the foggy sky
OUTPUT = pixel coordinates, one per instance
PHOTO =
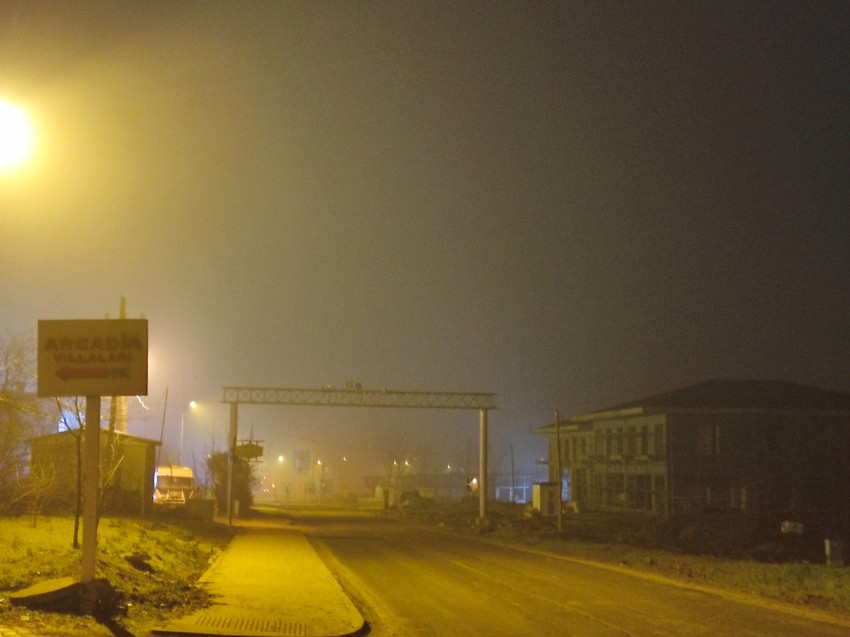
(570, 205)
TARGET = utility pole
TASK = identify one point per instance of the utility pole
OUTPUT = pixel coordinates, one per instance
(483, 482)
(513, 477)
(560, 482)
(118, 404)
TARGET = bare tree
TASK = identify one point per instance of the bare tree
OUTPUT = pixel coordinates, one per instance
(21, 415)
(394, 458)
(74, 407)
(37, 489)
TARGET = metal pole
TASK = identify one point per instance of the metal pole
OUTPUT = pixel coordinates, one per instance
(482, 468)
(162, 426)
(180, 450)
(560, 482)
(91, 487)
(513, 477)
(231, 458)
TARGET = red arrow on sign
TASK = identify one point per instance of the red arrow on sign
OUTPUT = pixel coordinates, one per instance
(87, 372)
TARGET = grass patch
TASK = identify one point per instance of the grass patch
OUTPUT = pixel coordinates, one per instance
(153, 563)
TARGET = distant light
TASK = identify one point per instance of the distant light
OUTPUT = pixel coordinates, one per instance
(193, 404)
(280, 458)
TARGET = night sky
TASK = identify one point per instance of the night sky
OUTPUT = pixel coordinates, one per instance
(571, 205)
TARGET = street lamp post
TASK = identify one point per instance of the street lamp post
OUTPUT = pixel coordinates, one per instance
(192, 405)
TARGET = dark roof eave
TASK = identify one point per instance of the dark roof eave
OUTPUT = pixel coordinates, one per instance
(645, 411)
(120, 434)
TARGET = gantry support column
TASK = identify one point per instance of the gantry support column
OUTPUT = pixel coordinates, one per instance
(231, 458)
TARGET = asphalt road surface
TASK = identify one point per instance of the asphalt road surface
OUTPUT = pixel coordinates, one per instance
(413, 581)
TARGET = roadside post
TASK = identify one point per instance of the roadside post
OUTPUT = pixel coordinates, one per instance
(92, 358)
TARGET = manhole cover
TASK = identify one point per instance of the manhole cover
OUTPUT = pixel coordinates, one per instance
(253, 625)
(210, 624)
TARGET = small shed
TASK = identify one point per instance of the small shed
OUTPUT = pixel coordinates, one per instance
(127, 466)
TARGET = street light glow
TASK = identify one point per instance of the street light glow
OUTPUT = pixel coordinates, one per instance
(16, 136)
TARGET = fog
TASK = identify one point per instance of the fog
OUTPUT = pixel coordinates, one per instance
(567, 205)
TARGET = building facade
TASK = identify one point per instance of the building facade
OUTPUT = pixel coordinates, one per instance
(771, 450)
(127, 466)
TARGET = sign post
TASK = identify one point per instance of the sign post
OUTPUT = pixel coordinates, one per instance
(91, 480)
(92, 358)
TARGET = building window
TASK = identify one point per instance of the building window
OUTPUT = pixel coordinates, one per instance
(738, 498)
(657, 440)
(708, 440)
(643, 495)
(615, 442)
(614, 490)
(580, 491)
(631, 441)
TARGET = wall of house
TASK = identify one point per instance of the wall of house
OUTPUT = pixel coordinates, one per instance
(55, 459)
(770, 465)
(129, 484)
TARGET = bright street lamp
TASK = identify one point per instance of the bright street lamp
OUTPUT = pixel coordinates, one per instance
(16, 136)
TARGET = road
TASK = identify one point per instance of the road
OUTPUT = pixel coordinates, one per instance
(409, 581)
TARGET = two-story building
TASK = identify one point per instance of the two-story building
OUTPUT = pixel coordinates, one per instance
(772, 450)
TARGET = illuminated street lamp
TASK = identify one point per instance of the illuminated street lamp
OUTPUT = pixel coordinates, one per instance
(16, 136)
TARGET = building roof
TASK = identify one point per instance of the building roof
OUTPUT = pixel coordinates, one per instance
(745, 394)
(67, 434)
(724, 395)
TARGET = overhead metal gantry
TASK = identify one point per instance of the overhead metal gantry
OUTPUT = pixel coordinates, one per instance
(330, 397)
(354, 396)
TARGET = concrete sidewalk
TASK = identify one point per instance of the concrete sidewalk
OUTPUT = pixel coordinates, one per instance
(270, 581)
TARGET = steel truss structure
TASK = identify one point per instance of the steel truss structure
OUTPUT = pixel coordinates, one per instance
(330, 397)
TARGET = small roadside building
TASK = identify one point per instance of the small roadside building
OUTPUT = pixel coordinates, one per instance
(773, 451)
(127, 466)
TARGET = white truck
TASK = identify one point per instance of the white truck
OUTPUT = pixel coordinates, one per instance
(172, 486)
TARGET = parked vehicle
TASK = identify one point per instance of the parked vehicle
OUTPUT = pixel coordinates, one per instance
(173, 486)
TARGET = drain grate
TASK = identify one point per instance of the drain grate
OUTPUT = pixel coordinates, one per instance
(251, 625)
